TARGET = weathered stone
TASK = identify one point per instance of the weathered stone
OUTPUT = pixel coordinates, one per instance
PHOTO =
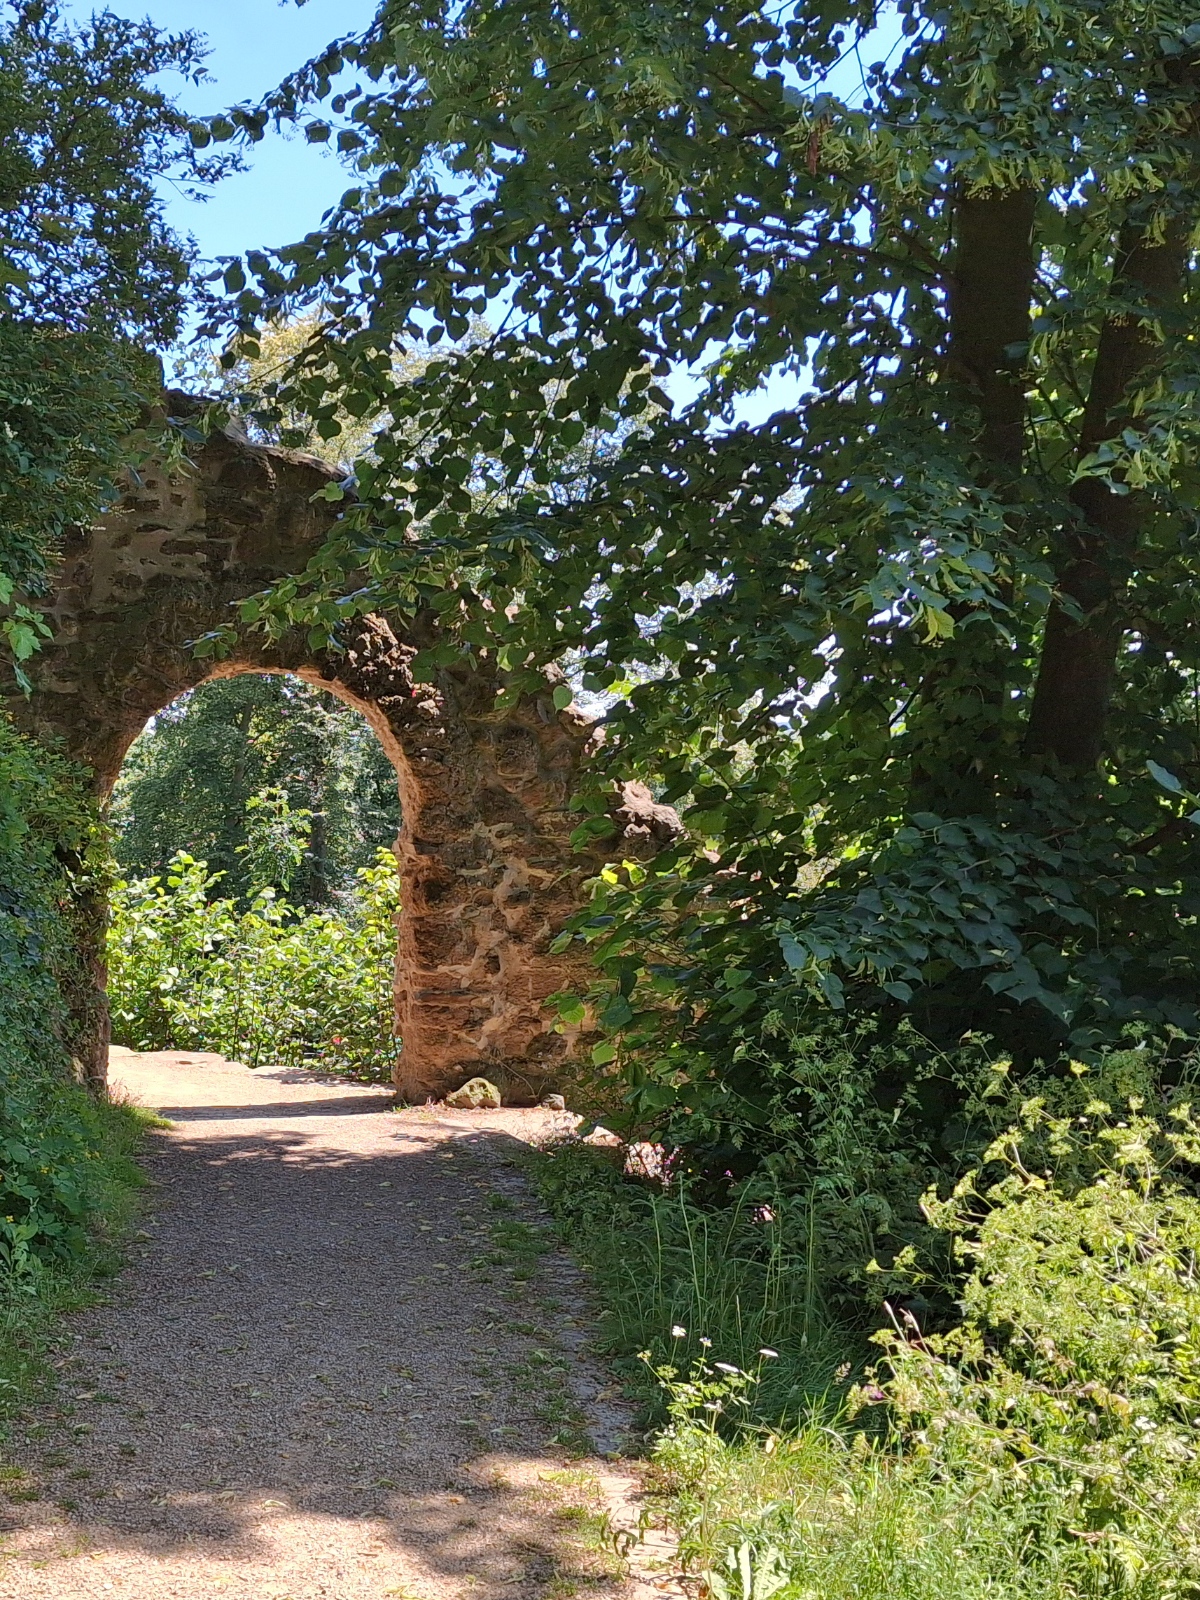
(645, 827)
(488, 874)
(477, 1094)
(554, 1102)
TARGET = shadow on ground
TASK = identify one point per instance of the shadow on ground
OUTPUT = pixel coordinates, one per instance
(318, 1371)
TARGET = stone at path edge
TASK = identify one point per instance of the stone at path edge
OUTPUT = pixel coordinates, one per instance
(477, 1094)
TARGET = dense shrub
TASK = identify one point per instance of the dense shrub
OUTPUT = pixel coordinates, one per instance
(1045, 1442)
(837, 1129)
(271, 984)
(51, 862)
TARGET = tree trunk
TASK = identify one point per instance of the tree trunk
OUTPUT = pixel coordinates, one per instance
(990, 304)
(957, 753)
(1086, 622)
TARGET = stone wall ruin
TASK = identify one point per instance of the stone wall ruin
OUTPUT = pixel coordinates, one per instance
(487, 870)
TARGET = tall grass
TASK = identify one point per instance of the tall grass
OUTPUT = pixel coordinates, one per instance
(1045, 1448)
(735, 1281)
(823, 1513)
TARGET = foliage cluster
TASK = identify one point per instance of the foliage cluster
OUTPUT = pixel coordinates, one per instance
(34, 1300)
(188, 781)
(794, 1196)
(1043, 1443)
(265, 984)
(847, 1125)
(90, 275)
(908, 649)
(51, 859)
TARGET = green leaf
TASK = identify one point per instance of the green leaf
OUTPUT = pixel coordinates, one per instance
(1168, 780)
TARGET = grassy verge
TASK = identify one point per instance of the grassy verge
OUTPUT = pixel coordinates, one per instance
(679, 1283)
(32, 1306)
(1043, 1450)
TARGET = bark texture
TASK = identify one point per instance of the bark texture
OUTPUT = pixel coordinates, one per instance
(957, 720)
(990, 302)
(487, 869)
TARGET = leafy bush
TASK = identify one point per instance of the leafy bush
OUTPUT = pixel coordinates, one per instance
(66, 1173)
(1046, 1445)
(94, 1142)
(1074, 1375)
(825, 1513)
(51, 861)
(269, 984)
(836, 1128)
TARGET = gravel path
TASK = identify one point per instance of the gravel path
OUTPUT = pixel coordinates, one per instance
(320, 1376)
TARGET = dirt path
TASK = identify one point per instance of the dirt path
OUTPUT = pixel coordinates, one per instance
(319, 1376)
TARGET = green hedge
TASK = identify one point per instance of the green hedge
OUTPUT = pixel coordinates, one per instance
(52, 860)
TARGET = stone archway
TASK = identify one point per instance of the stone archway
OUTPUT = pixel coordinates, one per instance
(487, 870)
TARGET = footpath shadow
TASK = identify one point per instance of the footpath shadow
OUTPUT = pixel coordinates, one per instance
(316, 1347)
(343, 1106)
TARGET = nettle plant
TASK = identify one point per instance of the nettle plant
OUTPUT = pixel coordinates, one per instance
(905, 647)
(1074, 1373)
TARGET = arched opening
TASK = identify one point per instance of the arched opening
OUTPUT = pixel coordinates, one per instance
(221, 764)
(254, 822)
(488, 869)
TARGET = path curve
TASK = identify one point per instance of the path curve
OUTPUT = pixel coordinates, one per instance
(315, 1379)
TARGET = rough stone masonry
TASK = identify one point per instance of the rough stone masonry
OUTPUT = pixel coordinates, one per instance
(487, 870)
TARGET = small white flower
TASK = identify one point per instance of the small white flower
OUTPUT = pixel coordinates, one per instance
(707, 1343)
(723, 1366)
(771, 1355)
(678, 1333)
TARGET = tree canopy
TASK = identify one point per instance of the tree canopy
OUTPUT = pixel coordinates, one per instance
(918, 650)
(273, 784)
(92, 281)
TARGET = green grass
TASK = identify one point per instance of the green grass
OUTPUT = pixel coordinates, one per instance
(32, 1307)
(787, 1496)
(737, 1278)
(827, 1515)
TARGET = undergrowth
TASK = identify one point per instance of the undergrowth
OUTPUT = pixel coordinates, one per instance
(34, 1299)
(67, 1177)
(273, 984)
(1028, 1421)
(675, 1279)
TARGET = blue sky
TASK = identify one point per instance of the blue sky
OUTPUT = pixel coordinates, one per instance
(254, 43)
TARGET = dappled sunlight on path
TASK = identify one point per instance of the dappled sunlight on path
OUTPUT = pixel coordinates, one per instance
(320, 1377)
